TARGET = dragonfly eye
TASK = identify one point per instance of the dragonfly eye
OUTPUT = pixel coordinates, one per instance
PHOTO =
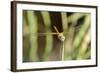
(61, 37)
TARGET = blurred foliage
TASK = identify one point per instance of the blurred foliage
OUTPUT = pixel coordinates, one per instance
(76, 26)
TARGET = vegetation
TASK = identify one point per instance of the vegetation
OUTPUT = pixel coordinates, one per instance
(40, 44)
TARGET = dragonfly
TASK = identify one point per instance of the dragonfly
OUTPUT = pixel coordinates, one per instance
(60, 35)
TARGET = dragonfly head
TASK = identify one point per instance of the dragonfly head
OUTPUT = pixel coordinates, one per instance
(61, 37)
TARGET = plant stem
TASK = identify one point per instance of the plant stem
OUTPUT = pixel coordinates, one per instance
(63, 52)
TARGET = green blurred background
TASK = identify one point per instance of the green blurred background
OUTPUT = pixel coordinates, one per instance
(47, 47)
